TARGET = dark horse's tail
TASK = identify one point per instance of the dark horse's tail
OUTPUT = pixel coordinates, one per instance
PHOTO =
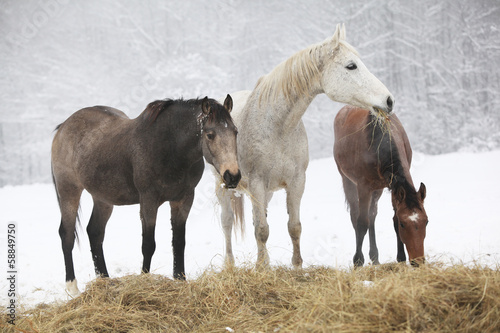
(78, 223)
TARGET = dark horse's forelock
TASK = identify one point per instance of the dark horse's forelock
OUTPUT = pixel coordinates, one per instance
(218, 113)
(389, 161)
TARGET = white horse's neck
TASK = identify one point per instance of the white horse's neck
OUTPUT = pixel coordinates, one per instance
(287, 116)
(281, 97)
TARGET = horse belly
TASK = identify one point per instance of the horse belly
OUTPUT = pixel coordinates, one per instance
(111, 184)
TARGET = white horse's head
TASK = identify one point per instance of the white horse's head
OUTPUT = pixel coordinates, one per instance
(344, 77)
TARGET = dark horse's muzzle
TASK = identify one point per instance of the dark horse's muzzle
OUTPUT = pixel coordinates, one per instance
(231, 180)
(417, 262)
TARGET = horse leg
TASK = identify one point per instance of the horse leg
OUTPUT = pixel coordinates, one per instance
(95, 229)
(401, 256)
(371, 229)
(227, 221)
(259, 212)
(351, 196)
(362, 223)
(149, 209)
(293, 198)
(179, 213)
(69, 200)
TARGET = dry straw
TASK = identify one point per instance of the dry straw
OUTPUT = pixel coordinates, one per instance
(392, 297)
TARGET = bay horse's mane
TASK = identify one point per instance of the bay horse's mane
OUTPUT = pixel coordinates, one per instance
(294, 76)
(389, 160)
(217, 112)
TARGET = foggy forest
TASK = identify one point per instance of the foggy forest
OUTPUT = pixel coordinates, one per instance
(440, 59)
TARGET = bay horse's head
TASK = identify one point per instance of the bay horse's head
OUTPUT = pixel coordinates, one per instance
(219, 140)
(345, 79)
(412, 221)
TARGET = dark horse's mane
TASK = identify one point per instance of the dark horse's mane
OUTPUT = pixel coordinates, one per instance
(389, 160)
(217, 113)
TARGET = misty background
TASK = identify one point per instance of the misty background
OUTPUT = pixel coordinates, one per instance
(440, 59)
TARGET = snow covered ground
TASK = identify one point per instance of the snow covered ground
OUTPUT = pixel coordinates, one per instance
(462, 199)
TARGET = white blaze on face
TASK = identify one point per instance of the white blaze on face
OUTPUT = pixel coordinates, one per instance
(414, 217)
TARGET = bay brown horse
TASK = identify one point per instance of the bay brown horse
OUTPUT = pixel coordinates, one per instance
(373, 153)
(153, 158)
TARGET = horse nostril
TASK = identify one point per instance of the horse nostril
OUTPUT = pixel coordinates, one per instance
(231, 180)
(390, 103)
(237, 177)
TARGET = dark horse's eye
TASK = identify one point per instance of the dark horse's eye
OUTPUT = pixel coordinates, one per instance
(402, 225)
(352, 66)
(210, 135)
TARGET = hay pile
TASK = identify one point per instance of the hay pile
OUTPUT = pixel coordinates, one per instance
(371, 299)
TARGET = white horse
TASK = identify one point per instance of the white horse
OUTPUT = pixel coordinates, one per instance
(272, 143)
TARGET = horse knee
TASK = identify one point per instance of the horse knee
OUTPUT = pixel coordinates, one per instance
(295, 230)
(262, 233)
(362, 225)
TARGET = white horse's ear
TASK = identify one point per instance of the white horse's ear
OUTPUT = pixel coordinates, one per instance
(342, 31)
(336, 36)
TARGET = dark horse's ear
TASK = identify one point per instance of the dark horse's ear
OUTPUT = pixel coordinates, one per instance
(205, 106)
(400, 194)
(228, 103)
(422, 191)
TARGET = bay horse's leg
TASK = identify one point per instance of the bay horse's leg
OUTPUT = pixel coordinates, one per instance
(179, 213)
(259, 212)
(294, 195)
(362, 223)
(351, 196)
(149, 209)
(401, 256)
(371, 229)
(69, 200)
(95, 229)
(227, 221)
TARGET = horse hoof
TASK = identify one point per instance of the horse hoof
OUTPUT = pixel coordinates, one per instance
(297, 264)
(72, 289)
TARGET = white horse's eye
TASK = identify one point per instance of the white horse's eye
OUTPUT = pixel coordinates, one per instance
(352, 66)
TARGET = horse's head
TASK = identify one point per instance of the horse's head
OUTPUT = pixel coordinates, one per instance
(219, 140)
(412, 220)
(345, 79)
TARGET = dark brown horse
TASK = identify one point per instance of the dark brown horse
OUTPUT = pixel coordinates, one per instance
(153, 158)
(372, 153)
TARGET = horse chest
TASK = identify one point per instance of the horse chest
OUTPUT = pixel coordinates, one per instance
(172, 182)
(274, 160)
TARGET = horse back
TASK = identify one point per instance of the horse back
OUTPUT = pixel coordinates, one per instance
(91, 150)
(361, 143)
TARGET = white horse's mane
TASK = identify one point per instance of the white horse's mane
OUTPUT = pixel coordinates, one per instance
(294, 76)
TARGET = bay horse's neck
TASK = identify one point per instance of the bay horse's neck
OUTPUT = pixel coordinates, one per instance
(388, 143)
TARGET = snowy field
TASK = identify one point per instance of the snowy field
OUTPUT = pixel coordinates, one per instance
(462, 199)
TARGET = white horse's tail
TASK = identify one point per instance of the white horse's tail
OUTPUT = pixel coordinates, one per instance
(237, 206)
